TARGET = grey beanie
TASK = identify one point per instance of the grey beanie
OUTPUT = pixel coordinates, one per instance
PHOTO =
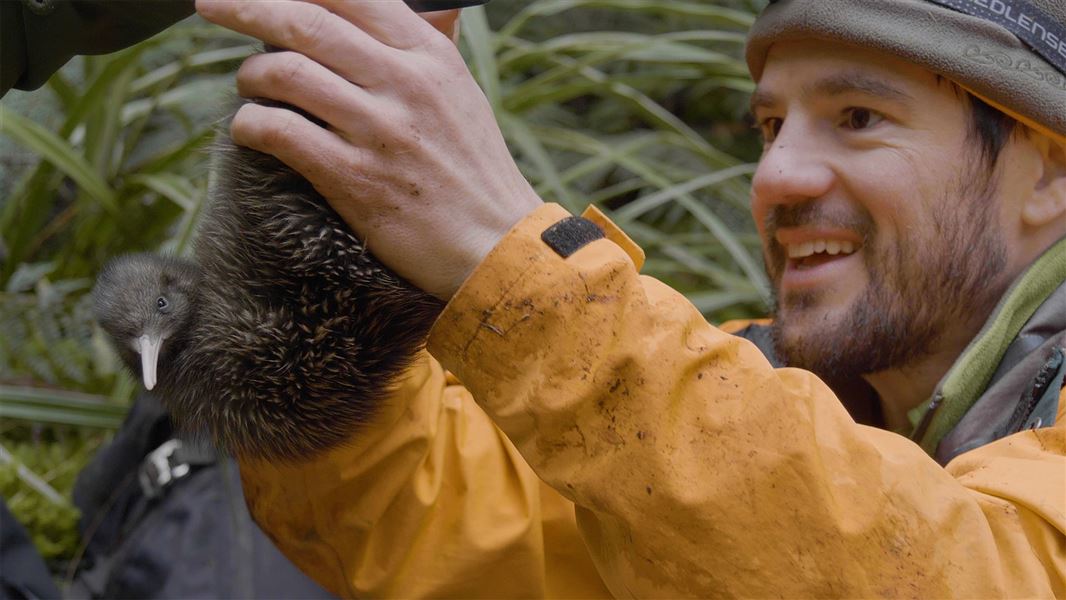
(977, 52)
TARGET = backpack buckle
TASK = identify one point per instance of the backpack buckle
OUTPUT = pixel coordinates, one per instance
(159, 470)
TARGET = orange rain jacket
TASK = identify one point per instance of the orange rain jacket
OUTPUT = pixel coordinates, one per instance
(621, 446)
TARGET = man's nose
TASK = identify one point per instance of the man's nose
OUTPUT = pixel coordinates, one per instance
(795, 168)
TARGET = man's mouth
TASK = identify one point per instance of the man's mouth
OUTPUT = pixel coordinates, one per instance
(817, 252)
(818, 260)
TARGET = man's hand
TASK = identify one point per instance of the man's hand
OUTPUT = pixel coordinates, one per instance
(412, 159)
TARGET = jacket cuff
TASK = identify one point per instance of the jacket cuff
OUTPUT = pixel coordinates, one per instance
(483, 306)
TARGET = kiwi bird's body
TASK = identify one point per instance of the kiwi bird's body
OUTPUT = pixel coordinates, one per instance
(295, 333)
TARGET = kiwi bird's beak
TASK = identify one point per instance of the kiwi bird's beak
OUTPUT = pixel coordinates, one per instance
(148, 346)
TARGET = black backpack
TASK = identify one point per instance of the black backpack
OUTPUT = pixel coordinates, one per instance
(165, 518)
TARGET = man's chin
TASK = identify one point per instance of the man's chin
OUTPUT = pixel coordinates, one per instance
(791, 334)
(801, 314)
(810, 337)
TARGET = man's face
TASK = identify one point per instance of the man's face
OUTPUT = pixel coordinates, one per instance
(880, 220)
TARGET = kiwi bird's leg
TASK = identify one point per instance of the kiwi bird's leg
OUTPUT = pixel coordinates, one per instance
(148, 346)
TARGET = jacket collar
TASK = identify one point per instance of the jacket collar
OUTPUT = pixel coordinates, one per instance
(1017, 353)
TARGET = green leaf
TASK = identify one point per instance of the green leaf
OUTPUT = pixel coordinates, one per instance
(527, 142)
(59, 153)
(59, 407)
(688, 10)
(479, 39)
(638, 207)
(176, 188)
(149, 80)
(66, 93)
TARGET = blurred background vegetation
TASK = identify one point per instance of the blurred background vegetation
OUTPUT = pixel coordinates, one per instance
(639, 106)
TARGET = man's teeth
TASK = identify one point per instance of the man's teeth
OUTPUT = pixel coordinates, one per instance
(830, 247)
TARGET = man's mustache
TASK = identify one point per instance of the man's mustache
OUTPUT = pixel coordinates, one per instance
(811, 214)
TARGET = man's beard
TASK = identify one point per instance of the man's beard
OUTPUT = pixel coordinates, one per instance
(917, 290)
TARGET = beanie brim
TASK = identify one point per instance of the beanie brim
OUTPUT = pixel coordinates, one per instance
(982, 57)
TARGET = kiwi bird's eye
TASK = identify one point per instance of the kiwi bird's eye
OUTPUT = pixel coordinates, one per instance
(162, 303)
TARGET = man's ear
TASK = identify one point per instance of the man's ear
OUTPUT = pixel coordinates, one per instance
(1048, 201)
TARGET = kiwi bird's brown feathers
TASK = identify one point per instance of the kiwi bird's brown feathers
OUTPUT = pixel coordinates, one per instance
(298, 332)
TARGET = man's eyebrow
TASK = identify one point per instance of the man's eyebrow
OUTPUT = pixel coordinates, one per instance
(762, 98)
(836, 85)
(846, 83)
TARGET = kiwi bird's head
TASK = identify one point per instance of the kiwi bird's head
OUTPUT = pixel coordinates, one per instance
(145, 302)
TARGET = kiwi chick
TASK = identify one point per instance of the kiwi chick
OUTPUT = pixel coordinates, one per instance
(283, 334)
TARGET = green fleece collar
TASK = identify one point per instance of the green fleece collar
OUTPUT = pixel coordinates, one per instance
(969, 376)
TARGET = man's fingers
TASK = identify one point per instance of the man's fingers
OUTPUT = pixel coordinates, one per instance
(391, 22)
(307, 28)
(295, 79)
(314, 152)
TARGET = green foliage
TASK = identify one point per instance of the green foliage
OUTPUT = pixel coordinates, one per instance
(127, 159)
(602, 116)
(33, 466)
(635, 105)
(121, 166)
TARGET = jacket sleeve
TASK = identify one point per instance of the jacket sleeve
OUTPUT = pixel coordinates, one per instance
(429, 500)
(699, 470)
(37, 37)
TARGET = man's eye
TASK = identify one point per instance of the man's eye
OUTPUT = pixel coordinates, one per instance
(769, 128)
(861, 118)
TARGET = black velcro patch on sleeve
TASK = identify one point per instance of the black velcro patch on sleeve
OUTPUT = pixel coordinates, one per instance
(570, 235)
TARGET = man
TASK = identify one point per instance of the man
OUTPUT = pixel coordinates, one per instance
(608, 441)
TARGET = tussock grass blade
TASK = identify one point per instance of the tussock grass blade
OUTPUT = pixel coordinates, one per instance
(719, 230)
(667, 48)
(59, 153)
(179, 190)
(689, 10)
(58, 406)
(99, 91)
(24, 213)
(27, 275)
(569, 68)
(670, 191)
(179, 243)
(196, 90)
(520, 134)
(480, 40)
(713, 301)
(31, 479)
(57, 416)
(171, 157)
(664, 49)
(149, 80)
(686, 260)
(653, 112)
(605, 155)
(103, 133)
(642, 205)
(66, 93)
(708, 219)
(622, 188)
